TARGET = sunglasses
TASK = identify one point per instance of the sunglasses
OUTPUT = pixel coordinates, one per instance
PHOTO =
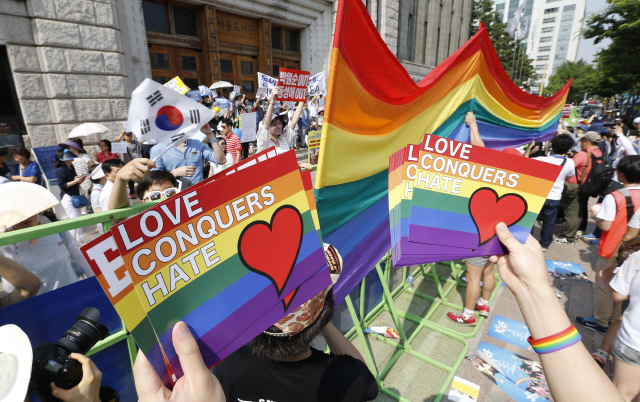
(160, 195)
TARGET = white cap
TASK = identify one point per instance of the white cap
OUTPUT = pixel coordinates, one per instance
(97, 173)
(636, 120)
(16, 358)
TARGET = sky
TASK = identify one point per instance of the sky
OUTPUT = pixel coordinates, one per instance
(587, 49)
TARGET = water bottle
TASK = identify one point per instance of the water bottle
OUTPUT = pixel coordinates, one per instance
(410, 281)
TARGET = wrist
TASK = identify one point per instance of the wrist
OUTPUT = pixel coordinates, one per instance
(542, 311)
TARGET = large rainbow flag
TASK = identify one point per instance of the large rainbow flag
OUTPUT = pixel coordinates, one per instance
(374, 108)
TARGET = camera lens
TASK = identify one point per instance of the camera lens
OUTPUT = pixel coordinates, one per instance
(85, 333)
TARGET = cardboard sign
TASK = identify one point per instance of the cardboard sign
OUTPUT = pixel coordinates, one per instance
(266, 83)
(223, 104)
(158, 113)
(214, 93)
(313, 146)
(316, 84)
(292, 85)
(461, 192)
(566, 111)
(119, 147)
(237, 89)
(248, 126)
(194, 95)
(262, 92)
(177, 85)
(204, 90)
(230, 257)
(510, 331)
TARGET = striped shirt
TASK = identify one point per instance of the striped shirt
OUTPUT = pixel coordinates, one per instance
(233, 145)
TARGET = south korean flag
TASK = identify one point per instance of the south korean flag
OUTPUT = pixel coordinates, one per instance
(161, 114)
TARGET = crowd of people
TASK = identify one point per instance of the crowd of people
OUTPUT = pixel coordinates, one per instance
(598, 160)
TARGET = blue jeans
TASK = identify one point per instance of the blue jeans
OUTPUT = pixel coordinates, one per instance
(548, 216)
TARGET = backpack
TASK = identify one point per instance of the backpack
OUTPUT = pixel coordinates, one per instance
(599, 177)
(630, 246)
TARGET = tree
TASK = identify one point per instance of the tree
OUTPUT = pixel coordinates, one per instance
(617, 65)
(584, 80)
(513, 58)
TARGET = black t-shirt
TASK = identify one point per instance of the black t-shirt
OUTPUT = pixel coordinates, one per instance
(4, 171)
(320, 377)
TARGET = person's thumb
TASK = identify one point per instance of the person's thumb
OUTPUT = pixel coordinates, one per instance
(189, 353)
(507, 238)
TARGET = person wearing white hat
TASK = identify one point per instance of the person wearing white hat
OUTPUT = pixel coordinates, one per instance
(16, 357)
(99, 179)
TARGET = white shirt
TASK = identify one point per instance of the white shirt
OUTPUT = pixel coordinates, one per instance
(635, 220)
(290, 116)
(627, 282)
(95, 195)
(219, 168)
(568, 170)
(623, 148)
(609, 208)
(312, 110)
(264, 140)
(104, 197)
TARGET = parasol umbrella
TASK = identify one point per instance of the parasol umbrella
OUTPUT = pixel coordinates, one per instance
(86, 129)
(221, 84)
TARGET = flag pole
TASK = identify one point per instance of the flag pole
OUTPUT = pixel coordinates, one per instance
(163, 152)
(544, 74)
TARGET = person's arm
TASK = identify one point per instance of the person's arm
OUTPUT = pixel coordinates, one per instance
(119, 137)
(28, 179)
(296, 115)
(134, 170)
(217, 156)
(609, 203)
(475, 139)
(624, 141)
(571, 373)
(26, 283)
(338, 344)
(266, 122)
(238, 151)
(619, 297)
(63, 184)
(527, 152)
(197, 384)
(88, 390)
(607, 272)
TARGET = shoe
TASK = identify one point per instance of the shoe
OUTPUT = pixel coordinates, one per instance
(596, 241)
(589, 319)
(471, 321)
(589, 237)
(133, 196)
(600, 357)
(545, 249)
(483, 310)
(563, 240)
(579, 233)
(592, 325)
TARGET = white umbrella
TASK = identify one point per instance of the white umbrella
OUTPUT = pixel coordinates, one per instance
(86, 129)
(221, 84)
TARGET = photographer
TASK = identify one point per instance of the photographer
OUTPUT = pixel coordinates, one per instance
(89, 388)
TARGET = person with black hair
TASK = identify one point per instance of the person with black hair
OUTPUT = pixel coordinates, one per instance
(234, 147)
(110, 168)
(26, 170)
(561, 144)
(105, 152)
(612, 218)
(69, 184)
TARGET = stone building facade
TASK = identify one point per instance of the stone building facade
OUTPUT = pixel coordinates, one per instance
(74, 61)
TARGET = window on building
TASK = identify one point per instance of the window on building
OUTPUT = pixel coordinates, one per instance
(247, 87)
(546, 39)
(549, 20)
(570, 7)
(185, 21)
(155, 16)
(539, 66)
(542, 58)
(276, 37)
(160, 61)
(276, 70)
(551, 10)
(246, 68)
(226, 66)
(407, 30)
(548, 29)
(544, 48)
(291, 40)
(189, 63)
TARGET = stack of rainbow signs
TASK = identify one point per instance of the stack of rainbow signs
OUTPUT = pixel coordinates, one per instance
(229, 257)
(448, 196)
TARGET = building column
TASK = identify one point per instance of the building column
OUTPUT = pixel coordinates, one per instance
(211, 54)
(265, 58)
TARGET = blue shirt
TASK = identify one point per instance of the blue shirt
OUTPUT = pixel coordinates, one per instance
(191, 155)
(32, 170)
(304, 119)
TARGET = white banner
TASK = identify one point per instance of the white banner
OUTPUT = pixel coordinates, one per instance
(161, 114)
(237, 89)
(118, 147)
(316, 84)
(248, 127)
(266, 82)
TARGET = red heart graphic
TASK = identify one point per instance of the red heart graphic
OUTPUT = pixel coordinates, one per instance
(271, 249)
(487, 210)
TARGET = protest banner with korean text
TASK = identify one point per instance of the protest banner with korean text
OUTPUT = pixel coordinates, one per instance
(119, 147)
(316, 83)
(177, 85)
(293, 85)
(194, 95)
(313, 146)
(229, 257)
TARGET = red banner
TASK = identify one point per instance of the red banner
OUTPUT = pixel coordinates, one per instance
(292, 85)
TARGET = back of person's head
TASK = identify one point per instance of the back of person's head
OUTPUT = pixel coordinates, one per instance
(59, 155)
(109, 164)
(228, 122)
(153, 178)
(22, 151)
(629, 166)
(561, 144)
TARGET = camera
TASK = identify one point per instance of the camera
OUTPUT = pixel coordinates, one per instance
(53, 362)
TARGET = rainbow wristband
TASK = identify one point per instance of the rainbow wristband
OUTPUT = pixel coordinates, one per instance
(556, 342)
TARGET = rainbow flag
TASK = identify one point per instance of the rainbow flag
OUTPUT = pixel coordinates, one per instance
(374, 108)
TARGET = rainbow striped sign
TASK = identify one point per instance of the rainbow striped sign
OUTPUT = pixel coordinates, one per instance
(229, 257)
(461, 192)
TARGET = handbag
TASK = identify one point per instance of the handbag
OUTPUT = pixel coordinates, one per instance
(79, 201)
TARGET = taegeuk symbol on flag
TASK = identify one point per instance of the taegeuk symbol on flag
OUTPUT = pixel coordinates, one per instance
(159, 113)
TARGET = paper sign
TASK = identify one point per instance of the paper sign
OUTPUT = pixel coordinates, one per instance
(566, 111)
(316, 84)
(265, 81)
(237, 89)
(292, 85)
(513, 368)
(214, 93)
(194, 95)
(232, 96)
(261, 92)
(200, 257)
(560, 267)
(313, 146)
(510, 331)
(248, 126)
(289, 105)
(223, 104)
(119, 147)
(177, 85)
(463, 390)
(204, 90)
(461, 192)
(158, 113)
